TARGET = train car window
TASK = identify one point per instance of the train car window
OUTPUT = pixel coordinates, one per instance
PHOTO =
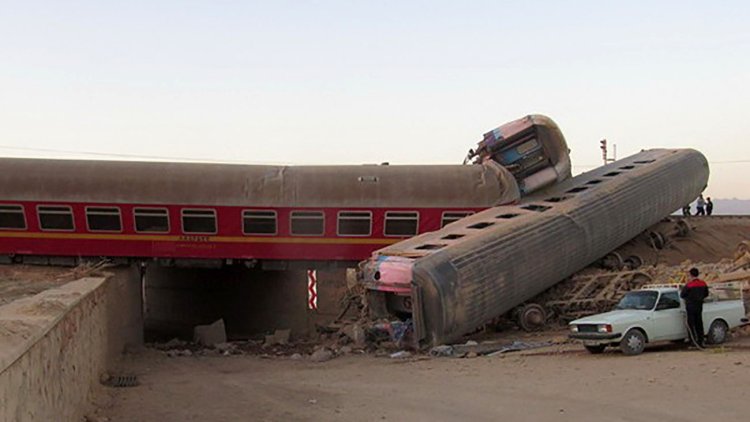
(307, 223)
(578, 189)
(55, 218)
(535, 207)
(453, 216)
(259, 222)
(480, 225)
(151, 220)
(452, 236)
(103, 219)
(12, 217)
(401, 223)
(429, 247)
(354, 223)
(199, 221)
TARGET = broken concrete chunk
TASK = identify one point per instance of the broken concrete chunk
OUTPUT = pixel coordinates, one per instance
(209, 335)
(321, 355)
(403, 354)
(358, 336)
(442, 351)
(355, 333)
(278, 337)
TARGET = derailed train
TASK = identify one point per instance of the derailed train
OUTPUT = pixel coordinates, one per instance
(452, 280)
(274, 217)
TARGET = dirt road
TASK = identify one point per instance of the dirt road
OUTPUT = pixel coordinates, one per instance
(663, 385)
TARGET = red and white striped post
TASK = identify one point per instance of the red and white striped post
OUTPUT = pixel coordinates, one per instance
(312, 290)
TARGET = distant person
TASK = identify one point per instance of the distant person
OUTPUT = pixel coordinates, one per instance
(700, 206)
(709, 206)
(686, 211)
(693, 293)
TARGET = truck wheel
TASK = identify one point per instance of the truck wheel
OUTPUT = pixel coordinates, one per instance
(718, 332)
(633, 342)
(595, 349)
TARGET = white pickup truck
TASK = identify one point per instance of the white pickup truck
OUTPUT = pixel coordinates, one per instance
(655, 314)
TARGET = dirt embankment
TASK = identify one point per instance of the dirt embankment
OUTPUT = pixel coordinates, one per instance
(709, 240)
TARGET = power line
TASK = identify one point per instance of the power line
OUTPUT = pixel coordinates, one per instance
(132, 156)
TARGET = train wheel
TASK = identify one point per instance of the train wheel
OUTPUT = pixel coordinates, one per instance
(683, 228)
(613, 261)
(633, 261)
(657, 240)
(531, 317)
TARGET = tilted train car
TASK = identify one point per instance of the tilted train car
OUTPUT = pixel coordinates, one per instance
(453, 280)
(186, 212)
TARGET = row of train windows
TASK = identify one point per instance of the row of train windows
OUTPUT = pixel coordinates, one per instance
(156, 220)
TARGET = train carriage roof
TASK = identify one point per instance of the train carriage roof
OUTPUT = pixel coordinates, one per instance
(23, 179)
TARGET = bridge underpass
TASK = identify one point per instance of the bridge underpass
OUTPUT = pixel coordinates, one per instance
(251, 302)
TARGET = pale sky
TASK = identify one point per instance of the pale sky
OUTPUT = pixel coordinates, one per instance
(350, 82)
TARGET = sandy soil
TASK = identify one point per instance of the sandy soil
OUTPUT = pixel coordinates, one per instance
(568, 384)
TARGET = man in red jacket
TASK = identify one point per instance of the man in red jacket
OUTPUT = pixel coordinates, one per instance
(693, 293)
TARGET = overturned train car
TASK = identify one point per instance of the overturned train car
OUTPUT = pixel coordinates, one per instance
(471, 271)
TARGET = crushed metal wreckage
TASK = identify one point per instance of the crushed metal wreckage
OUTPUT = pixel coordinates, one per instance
(453, 280)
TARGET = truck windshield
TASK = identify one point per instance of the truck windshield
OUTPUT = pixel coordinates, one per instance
(642, 300)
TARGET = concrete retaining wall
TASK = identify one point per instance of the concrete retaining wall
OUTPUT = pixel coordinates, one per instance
(55, 346)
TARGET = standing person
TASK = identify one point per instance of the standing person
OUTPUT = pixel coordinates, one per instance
(686, 211)
(709, 206)
(693, 293)
(700, 206)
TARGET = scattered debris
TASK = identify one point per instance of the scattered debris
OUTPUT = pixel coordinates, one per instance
(177, 352)
(520, 345)
(118, 381)
(175, 343)
(473, 349)
(443, 350)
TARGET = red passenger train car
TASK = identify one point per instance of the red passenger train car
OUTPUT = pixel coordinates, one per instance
(222, 213)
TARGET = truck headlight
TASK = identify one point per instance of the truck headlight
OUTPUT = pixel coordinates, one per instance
(604, 328)
(574, 328)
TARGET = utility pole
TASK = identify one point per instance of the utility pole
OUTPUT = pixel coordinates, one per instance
(603, 146)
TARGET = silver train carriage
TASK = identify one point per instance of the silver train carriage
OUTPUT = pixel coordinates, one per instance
(482, 266)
